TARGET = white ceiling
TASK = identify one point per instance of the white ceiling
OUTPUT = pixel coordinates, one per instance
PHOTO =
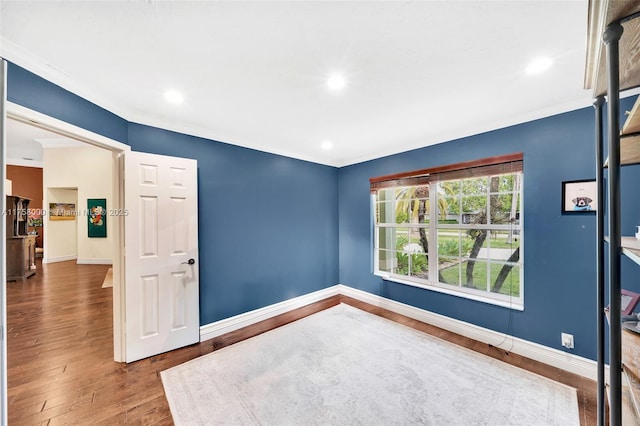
(23, 148)
(26, 143)
(253, 73)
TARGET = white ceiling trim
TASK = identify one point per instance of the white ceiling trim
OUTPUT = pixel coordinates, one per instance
(483, 128)
(252, 73)
(13, 53)
(19, 56)
(42, 121)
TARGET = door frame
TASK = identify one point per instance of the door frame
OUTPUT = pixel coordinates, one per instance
(3, 249)
(118, 149)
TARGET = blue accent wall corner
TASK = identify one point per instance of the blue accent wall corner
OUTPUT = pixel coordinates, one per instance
(268, 224)
(559, 250)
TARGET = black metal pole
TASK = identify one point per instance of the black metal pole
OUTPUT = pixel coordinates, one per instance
(611, 38)
(597, 104)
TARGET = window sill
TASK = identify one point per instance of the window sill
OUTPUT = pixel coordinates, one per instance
(515, 305)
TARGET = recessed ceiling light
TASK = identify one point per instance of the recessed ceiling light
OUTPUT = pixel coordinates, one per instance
(539, 65)
(173, 96)
(326, 145)
(336, 81)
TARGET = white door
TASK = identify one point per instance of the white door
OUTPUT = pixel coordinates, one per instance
(161, 254)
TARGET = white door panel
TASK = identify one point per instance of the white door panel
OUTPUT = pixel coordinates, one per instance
(161, 235)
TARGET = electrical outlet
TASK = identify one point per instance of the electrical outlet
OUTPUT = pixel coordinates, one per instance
(567, 340)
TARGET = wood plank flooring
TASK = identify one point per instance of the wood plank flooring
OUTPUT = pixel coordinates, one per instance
(60, 353)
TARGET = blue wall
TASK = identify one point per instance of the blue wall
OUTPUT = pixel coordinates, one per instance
(33, 92)
(272, 227)
(268, 224)
(559, 250)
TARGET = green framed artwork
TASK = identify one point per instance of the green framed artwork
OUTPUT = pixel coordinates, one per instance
(97, 215)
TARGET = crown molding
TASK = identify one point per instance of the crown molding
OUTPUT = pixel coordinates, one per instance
(17, 55)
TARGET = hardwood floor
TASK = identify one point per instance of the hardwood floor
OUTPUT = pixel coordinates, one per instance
(60, 353)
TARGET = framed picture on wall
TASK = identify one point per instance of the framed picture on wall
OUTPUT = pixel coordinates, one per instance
(62, 211)
(579, 196)
(97, 217)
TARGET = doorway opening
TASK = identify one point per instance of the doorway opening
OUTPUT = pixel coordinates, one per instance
(115, 224)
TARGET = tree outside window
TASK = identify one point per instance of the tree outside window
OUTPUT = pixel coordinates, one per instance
(463, 234)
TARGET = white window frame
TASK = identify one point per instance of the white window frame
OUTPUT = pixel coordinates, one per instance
(432, 283)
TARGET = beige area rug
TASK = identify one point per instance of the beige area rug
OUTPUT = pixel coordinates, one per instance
(108, 279)
(343, 366)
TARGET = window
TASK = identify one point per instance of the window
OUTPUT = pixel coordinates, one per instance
(455, 229)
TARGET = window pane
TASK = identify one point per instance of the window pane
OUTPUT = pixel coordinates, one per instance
(449, 270)
(474, 186)
(502, 208)
(505, 199)
(404, 205)
(477, 243)
(401, 238)
(474, 200)
(386, 238)
(474, 209)
(448, 209)
(417, 241)
(505, 279)
(449, 188)
(503, 245)
(419, 265)
(402, 263)
(449, 242)
(386, 260)
(474, 275)
(385, 206)
(403, 212)
(449, 252)
(421, 204)
(495, 245)
(449, 202)
(505, 183)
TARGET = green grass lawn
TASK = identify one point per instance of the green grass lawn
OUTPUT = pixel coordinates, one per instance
(449, 245)
(511, 284)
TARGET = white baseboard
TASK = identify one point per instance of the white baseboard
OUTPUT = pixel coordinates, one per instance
(550, 356)
(59, 259)
(94, 262)
(218, 328)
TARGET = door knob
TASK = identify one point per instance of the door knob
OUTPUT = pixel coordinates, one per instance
(189, 262)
